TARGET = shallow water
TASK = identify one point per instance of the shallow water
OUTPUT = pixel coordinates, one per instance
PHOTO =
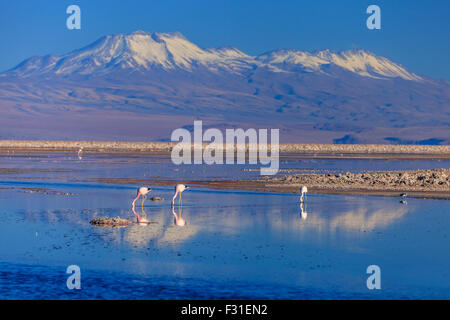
(235, 244)
(65, 166)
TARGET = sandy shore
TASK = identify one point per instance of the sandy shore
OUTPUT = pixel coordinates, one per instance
(104, 146)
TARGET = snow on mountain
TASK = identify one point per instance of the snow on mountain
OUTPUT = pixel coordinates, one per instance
(305, 59)
(361, 62)
(142, 51)
(367, 64)
(138, 50)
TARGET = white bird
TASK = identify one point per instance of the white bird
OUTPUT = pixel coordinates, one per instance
(179, 188)
(303, 191)
(142, 191)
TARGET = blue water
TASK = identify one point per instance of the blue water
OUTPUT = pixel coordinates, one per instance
(235, 244)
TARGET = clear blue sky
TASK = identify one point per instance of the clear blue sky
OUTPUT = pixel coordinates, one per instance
(414, 33)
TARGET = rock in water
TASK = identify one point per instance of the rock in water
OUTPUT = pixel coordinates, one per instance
(116, 222)
(156, 199)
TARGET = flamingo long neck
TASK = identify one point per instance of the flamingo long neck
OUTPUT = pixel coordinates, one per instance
(139, 194)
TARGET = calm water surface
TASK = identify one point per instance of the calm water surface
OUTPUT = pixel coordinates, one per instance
(235, 244)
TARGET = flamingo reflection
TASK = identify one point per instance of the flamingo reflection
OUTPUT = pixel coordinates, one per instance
(141, 220)
(80, 152)
(178, 220)
(303, 212)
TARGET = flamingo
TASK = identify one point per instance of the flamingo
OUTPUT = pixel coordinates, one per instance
(303, 191)
(142, 191)
(178, 220)
(179, 188)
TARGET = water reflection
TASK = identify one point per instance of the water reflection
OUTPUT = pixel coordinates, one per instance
(208, 214)
(178, 220)
(359, 219)
(366, 219)
(141, 219)
(161, 231)
(303, 212)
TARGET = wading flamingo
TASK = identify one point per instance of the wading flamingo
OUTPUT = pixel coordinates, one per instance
(142, 191)
(303, 191)
(179, 188)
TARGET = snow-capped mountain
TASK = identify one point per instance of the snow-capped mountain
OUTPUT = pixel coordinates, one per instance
(142, 51)
(361, 62)
(138, 51)
(143, 85)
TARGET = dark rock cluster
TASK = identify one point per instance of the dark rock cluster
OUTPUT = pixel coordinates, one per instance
(434, 179)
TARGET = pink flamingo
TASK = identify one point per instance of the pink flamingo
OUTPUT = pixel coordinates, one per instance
(179, 188)
(142, 191)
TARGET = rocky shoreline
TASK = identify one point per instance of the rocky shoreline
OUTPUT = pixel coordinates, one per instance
(412, 180)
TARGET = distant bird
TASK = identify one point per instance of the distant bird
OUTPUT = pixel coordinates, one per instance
(142, 191)
(179, 188)
(303, 191)
(404, 195)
